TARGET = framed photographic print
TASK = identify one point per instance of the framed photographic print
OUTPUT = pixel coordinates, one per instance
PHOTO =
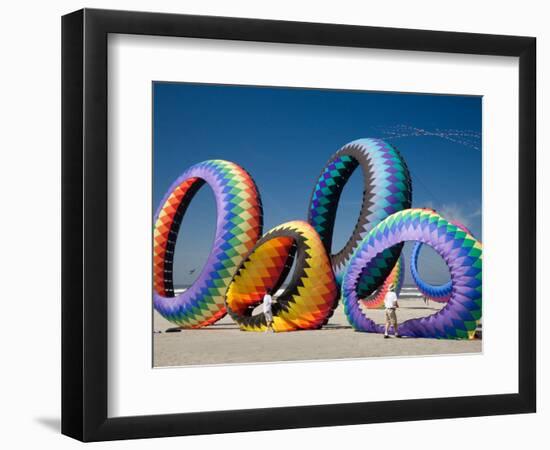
(262, 220)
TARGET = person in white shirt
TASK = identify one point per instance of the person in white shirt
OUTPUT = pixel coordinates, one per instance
(267, 302)
(390, 303)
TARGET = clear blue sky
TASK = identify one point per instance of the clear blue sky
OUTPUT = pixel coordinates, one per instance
(283, 137)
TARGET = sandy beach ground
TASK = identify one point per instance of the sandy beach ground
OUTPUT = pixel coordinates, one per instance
(224, 343)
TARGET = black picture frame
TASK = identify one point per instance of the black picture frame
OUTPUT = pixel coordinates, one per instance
(84, 224)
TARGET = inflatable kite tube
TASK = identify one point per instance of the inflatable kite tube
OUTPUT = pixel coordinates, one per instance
(441, 293)
(459, 249)
(239, 226)
(308, 299)
(387, 189)
(395, 278)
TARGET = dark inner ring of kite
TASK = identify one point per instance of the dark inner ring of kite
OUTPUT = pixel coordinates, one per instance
(292, 251)
(386, 190)
(173, 235)
(340, 168)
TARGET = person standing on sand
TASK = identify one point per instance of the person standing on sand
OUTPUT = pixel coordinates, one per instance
(390, 303)
(267, 302)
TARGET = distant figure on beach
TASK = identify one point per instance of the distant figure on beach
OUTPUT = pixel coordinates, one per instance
(267, 302)
(425, 300)
(390, 303)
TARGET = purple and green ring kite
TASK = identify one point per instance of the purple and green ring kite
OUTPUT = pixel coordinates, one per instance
(461, 252)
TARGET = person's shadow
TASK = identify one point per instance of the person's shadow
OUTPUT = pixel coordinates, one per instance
(52, 423)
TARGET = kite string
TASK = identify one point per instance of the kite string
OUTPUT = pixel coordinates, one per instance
(467, 138)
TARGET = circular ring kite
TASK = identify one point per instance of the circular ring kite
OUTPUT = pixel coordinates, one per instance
(308, 299)
(441, 293)
(239, 226)
(459, 249)
(395, 278)
(387, 189)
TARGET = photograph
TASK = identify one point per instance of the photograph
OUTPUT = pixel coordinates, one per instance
(271, 224)
(299, 224)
